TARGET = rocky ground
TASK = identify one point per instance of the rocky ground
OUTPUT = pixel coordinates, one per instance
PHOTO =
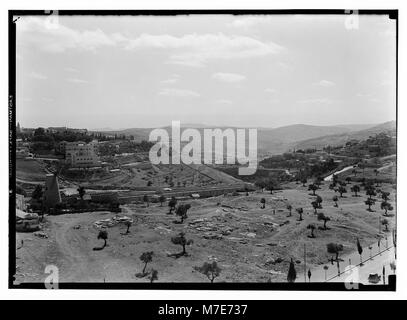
(249, 243)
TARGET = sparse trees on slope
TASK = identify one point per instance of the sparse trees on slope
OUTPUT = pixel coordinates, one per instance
(210, 270)
(335, 200)
(323, 217)
(271, 185)
(300, 211)
(171, 204)
(182, 241)
(369, 202)
(319, 201)
(102, 235)
(315, 206)
(146, 258)
(385, 222)
(342, 190)
(355, 189)
(182, 211)
(385, 196)
(312, 187)
(334, 248)
(153, 275)
(260, 184)
(311, 227)
(289, 208)
(386, 207)
(370, 191)
(127, 223)
(263, 202)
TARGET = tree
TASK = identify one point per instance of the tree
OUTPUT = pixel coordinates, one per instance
(323, 217)
(348, 179)
(319, 201)
(127, 223)
(312, 187)
(102, 235)
(334, 248)
(335, 200)
(360, 249)
(210, 270)
(371, 192)
(172, 203)
(146, 200)
(263, 202)
(311, 227)
(260, 184)
(182, 241)
(37, 193)
(271, 185)
(355, 189)
(289, 208)
(300, 211)
(292, 274)
(182, 211)
(309, 275)
(385, 222)
(246, 190)
(386, 207)
(146, 257)
(315, 206)
(385, 196)
(342, 190)
(369, 202)
(81, 192)
(153, 275)
(162, 200)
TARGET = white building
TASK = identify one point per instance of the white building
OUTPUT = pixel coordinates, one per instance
(81, 154)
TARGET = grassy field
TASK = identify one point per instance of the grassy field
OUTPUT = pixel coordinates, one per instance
(30, 170)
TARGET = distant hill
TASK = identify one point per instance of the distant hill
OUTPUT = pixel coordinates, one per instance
(279, 140)
(272, 140)
(342, 138)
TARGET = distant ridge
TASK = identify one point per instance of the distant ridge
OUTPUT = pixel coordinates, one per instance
(339, 139)
(281, 139)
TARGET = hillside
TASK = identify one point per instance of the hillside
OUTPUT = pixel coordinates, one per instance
(270, 140)
(340, 139)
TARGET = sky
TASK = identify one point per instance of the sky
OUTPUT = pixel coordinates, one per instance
(224, 70)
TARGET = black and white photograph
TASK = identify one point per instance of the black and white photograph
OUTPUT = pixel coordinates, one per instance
(203, 149)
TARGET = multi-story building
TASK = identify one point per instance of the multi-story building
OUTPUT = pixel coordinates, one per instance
(81, 154)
